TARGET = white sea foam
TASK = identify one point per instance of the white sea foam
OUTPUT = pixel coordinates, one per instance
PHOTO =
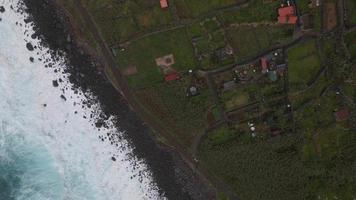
(57, 152)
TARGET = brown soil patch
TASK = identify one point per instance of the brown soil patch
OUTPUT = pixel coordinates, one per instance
(144, 19)
(330, 16)
(165, 64)
(130, 70)
(210, 118)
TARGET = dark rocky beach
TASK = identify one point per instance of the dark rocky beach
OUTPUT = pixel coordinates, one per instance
(174, 178)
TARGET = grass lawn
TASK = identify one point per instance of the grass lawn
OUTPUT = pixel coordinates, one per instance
(303, 64)
(248, 41)
(351, 7)
(350, 40)
(196, 8)
(195, 30)
(234, 98)
(256, 11)
(299, 98)
(303, 6)
(142, 54)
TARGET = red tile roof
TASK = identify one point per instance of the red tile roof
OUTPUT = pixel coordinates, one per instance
(164, 3)
(171, 77)
(285, 11)
(287, 15)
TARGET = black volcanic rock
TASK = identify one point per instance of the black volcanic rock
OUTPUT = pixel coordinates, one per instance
(29, 46)
(55, 83)
(63, 97)
(2, 9)
(51, 28)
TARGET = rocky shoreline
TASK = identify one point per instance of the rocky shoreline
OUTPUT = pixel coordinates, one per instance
(172, 175)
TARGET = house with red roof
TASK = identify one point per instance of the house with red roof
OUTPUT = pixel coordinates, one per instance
(287, 15)
(164, 3)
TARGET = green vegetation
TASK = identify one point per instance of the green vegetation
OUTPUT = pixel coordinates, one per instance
(303, 64)
(184, 116)
(196, 8)
(248, 41)
(256, 11)
(235, 98)
(142, 54)
(275, 138)
(267, 170)
(350, 40)
(351, 7)
(119, 20)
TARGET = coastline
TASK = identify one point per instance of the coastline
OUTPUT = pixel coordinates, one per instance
(164, 162)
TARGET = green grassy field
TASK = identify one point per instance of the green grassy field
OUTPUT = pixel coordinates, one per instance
(184, 116)
(256, 11)
(303, 64)
(350, 40)
(196, 8)
(142, 53)
(351, 7)
(248, 41)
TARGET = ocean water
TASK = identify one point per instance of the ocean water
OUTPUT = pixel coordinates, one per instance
(48, 150)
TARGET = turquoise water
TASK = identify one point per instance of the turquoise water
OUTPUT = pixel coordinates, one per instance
(48, 150)
(27, 170)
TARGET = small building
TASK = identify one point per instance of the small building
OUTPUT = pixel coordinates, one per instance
(164, 3)
(272, 76)
(341, 115)
(192, 91)
(264, 65)
(287, 15)
(172, 77)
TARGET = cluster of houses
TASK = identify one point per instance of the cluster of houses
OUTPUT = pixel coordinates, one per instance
(273, 64)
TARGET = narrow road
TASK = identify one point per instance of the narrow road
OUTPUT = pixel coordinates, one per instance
(120, 83)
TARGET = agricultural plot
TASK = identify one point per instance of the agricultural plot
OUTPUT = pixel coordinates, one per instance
(303, 65)
(234, 98)
(350, 40)
(248, 167)
(197, 8)
(306, 8)
(256, 11)
(248, 41)
(118, 20)
(210, 44)
(350, 11)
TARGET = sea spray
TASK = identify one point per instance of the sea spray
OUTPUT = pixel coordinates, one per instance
(50, 147)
